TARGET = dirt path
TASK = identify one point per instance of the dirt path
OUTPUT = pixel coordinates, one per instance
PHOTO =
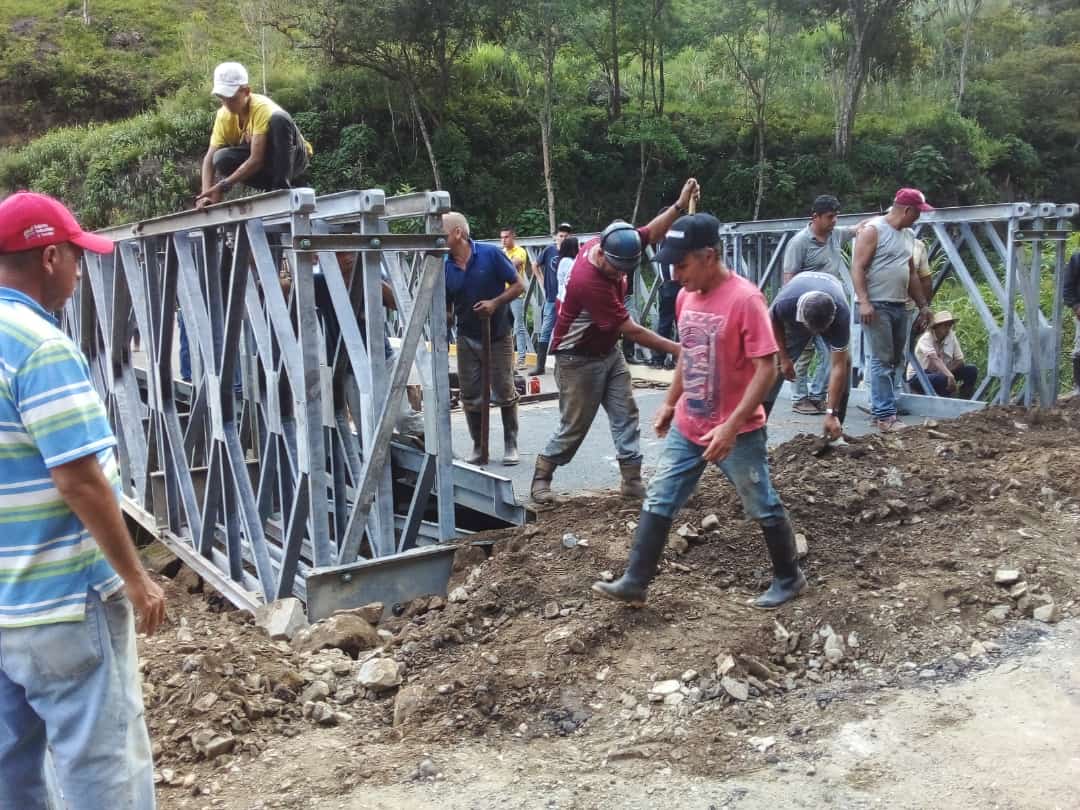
(915, 666)
(1004, 738)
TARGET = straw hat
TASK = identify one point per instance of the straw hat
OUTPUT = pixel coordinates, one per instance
(942, 317)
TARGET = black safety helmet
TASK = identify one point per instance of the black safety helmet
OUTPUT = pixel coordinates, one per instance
(621, 244)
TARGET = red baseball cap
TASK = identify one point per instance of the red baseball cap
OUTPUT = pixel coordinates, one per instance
(29, 220)
(912, 196)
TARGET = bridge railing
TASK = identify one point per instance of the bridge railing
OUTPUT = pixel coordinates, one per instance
(275, 470)
(998, 253)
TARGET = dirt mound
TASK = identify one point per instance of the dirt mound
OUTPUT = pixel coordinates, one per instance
(924, 547)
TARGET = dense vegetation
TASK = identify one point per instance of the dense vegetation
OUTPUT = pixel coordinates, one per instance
(768, 102)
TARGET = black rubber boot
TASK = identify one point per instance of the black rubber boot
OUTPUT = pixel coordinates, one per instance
(788, 579)
(473, 418)
(1076, 374)
(649, 541)
(510, 434)
(540, 490)
(541, 361)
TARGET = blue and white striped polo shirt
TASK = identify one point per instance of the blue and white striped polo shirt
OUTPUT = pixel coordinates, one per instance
(49, 415)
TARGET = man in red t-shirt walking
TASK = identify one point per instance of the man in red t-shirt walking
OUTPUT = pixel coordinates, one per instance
(589, 369)
(726, 367)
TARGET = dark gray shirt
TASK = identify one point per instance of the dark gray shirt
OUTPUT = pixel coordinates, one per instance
(806, 253)
(785, 307)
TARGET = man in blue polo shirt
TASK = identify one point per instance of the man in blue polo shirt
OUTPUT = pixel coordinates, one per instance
(68, 666)
(480, 283)
(546, 270)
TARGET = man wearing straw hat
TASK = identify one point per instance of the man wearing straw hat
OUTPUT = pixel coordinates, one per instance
(938, 353)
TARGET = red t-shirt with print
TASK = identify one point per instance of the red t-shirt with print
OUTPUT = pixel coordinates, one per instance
(720, 333)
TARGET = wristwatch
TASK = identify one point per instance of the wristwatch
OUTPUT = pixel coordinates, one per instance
(830, 412)
(681, 211)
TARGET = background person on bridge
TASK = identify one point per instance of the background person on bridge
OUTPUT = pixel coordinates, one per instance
(727, 365)
(546, 271)
(1072, 301)
(589, 368)
(814, 305)
(816, 249)
(69, 676)
(253, 141)
(481, 283)
(519, 257)
(883, 274)
(568, 252)
(939, 355)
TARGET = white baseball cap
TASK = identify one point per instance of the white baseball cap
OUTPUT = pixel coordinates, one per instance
(228, 78)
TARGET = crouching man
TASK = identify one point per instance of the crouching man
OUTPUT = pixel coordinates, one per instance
(727, 366)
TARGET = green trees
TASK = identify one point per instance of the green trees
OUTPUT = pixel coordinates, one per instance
(535, 111)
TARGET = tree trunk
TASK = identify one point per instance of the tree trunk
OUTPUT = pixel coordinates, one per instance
(644, 168)
(545, 121)
(854, 75)
(759, 127)
(965, 50)
(86, 12)
(427, 138)
(616, 88)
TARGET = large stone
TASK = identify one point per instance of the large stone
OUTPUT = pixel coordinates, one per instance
(1048, 613)
(737, 690)
(998, 613)
(665, 687)
(282, 619)
(834, 649)
(157, 558)
(710, 523)
(407, 702)
(345, 631)
(802, 548)
(1006, 576)
(316, 692)
(370, 613)
(379, 674)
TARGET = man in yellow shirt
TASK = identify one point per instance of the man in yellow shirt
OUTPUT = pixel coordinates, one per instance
(518, 257)
(253, 141)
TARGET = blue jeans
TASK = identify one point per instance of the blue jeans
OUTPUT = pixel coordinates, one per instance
(803, 380)
(521, 332)
(887, 335)
(185, 350)
(75, 687)
(746, 467)
(547, 326)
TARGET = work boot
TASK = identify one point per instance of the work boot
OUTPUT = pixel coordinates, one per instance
(632, 485)
(629, 349)
(541, 361)
(510, 434)
(788, 578)
(540, 491)
(1076, 374)
(649, 541)
(474, 418)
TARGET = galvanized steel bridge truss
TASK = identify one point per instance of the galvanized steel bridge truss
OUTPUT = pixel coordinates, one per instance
(275, 472)
(1009, 247)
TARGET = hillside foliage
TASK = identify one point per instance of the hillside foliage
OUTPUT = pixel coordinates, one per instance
(106, 102)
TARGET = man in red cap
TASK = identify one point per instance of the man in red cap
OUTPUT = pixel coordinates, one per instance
(884, 275)
(68, 667)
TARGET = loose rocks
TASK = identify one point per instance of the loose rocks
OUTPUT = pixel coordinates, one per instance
(282, 619)
(345, 631)
(379, 674)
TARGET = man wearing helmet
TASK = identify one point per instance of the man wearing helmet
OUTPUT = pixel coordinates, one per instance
(589, 369)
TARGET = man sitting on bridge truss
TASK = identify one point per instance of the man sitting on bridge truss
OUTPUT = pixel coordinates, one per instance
(253, 141)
